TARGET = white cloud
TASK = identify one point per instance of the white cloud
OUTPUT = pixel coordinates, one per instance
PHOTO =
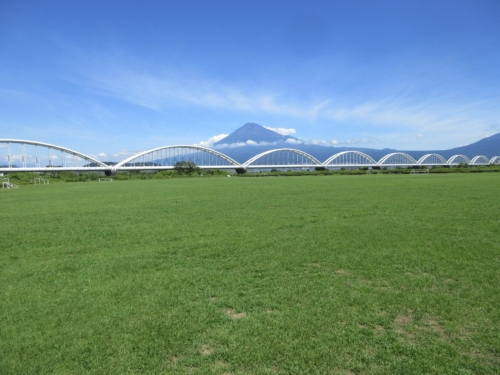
(210, 142)
(125, 154)
(99, 156)
(322, 142)
(15, 157)
(420, 136)
(282, 131)
(159, 91)
(425, 116)
(242, 144)
(398, 108)
(335, 142)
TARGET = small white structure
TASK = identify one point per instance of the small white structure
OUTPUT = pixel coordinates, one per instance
(6, 184)
(105, 179)
(40, 180)
(419, 171)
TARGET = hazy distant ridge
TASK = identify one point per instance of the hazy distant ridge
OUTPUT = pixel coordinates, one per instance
(489, 146)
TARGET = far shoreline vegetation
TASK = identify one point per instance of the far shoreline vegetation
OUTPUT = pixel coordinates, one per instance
(190, 170)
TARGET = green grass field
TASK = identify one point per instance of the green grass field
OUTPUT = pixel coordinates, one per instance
(315, 275)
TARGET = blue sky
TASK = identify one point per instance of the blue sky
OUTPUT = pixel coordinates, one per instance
(111, 78)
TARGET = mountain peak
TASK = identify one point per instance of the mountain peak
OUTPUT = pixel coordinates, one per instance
(254, 133)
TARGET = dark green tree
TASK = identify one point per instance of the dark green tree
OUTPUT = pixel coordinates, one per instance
(186, 167)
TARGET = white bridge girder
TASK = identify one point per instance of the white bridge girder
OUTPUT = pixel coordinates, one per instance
(33, 162)
(169, 155)
(457, 159)
(285, 158)
(170, 167)
(480, 160)
(397, 158)
(432, 159)
(282, 166)
(349, 159)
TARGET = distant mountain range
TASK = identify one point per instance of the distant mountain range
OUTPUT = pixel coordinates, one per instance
(255, 133)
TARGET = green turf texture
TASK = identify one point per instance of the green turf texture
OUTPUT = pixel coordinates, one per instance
(286, 275)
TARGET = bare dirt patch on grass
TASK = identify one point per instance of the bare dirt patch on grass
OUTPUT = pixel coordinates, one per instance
(234, 315)
(379, 329)
(220, 366)
(434, 325)
(403, 320)
(206, 350)
(342, 372)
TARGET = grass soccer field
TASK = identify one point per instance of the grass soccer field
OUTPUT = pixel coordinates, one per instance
(288, 275)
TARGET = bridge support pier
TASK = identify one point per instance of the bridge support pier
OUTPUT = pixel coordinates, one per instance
(241, 170)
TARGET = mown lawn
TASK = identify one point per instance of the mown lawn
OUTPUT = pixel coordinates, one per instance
(286, 275)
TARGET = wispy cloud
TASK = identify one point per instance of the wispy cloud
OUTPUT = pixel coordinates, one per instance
(210, 142)
(99, 156)
(158, 92)
(282, 131)
(247, 143)
(334, 142)
(397, 104)
(124, 154)
(7, 93)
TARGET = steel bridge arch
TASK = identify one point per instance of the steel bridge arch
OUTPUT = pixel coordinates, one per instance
(365, 159)
(315, 161)
(495, 160)
(54, 147)
(460, 158)
(479, 160)
(433, 158)
(404, 159)
(234, 163)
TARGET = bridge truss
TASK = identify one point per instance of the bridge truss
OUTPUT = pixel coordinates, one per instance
(166, 158)
(31, 156)
(350, 159)
(282, 158)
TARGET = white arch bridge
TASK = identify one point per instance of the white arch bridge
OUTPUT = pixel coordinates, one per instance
(31, 156)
